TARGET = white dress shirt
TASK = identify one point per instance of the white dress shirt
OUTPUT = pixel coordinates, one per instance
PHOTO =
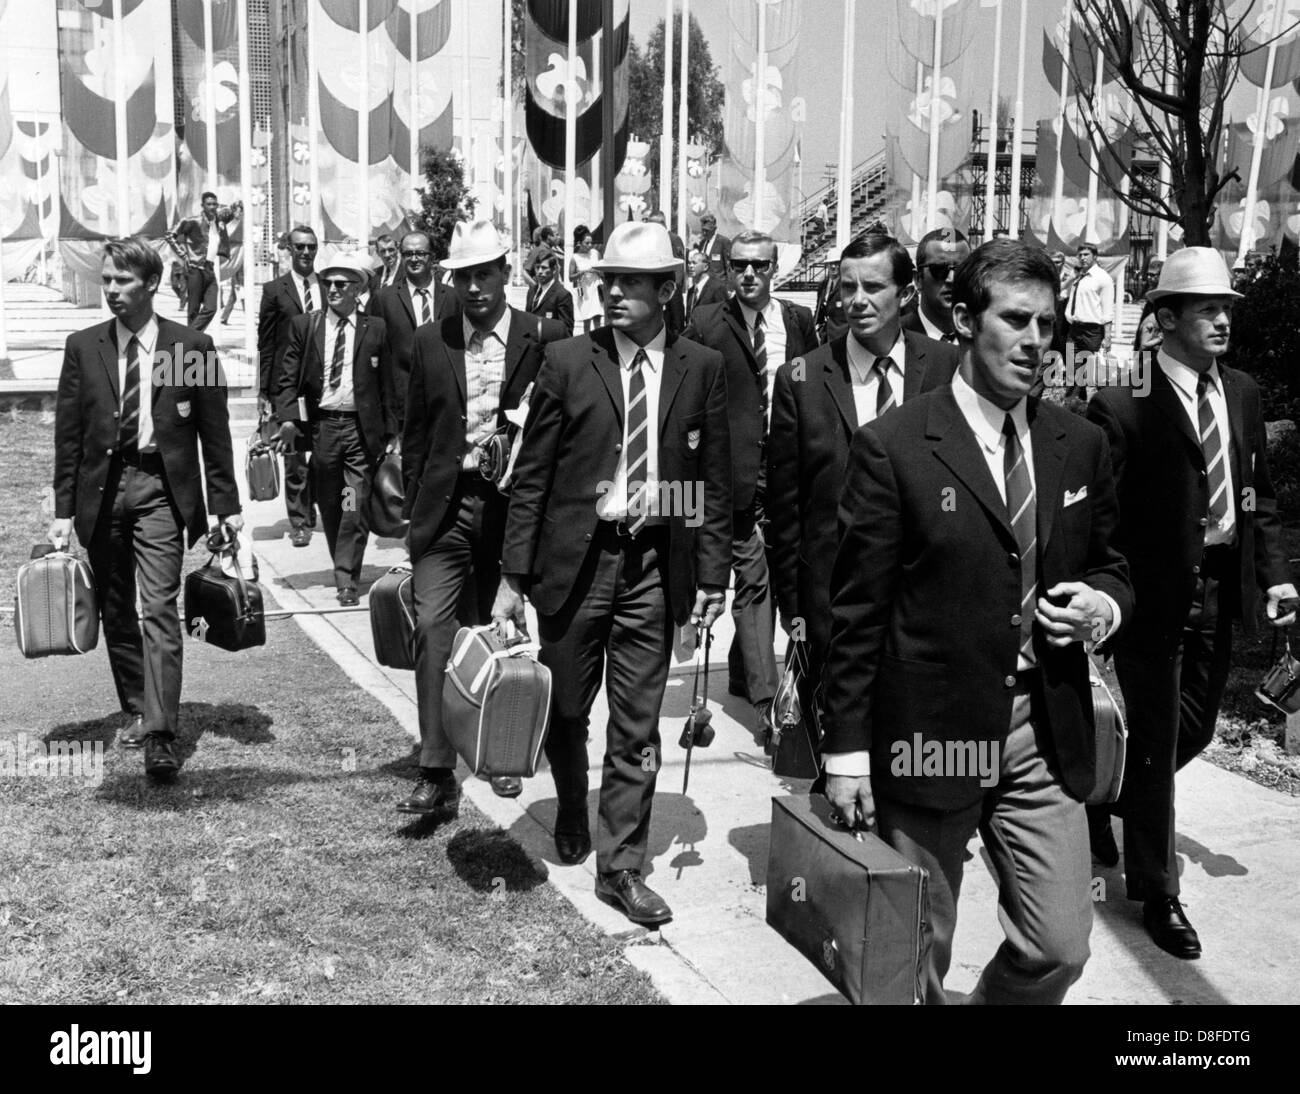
(773, 342)
(147, 336)
(417, 305)
(866, 380)
(931, 331)
(1184, 382)
(317, 298)
(613, 504)
(485, 370)
(341, 398)
(214, 242)
(1092, 298)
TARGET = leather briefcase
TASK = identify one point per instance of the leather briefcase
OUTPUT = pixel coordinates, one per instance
(496, 702)
(384, 503)
(392, 619)
(849, 903)
(224, 610)
(1111, 739)
(262, 466)
(54, 606)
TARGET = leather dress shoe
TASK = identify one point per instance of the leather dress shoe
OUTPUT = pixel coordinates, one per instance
(1167, 925)
(433, 796)
(300, 537)
(633, 897)
(348, 598)
(133, 736)
(507, 786)
(1102, 839)
(160, 759)
(572, 846)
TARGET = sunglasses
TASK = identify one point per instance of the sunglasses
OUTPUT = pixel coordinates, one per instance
(337, 282)
(415, 254)
(740, 265)
(940, 270)
(303, 246)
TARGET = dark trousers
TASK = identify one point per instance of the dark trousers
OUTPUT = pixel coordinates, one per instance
(1086, 338)
(139, 544)
(752, 656)
(1171, 698)
(299, 497)
(1037, 842)
(201, 294)
(458, 572)
(341, 474)
(615, 623)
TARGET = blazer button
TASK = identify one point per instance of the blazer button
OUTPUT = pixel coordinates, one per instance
(115, 414)
(587, 537)
(1013, 559)
(1015, 620)
(448, 497)
(1196, 569)
(1203, 521)
(618, 448)
(109, 452)
(1010, 681)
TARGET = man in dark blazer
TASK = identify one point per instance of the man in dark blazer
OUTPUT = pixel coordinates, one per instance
(817, 405)
(756, 334)
(675, 312)
(974, 562)
(471, 373)
(548, 298)
(1200, 529)
(283, 299)
(415, 300)
(619, 530)
(203, 241)
(702, 288)
(131, 419)
(329, 391)
(390, 270)
(938, 255)
(715, 248)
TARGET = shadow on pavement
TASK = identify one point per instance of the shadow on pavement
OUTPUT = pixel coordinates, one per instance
(492, 861)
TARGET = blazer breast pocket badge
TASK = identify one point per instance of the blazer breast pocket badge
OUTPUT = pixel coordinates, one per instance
(374, 362)
(183, 407)
(1072, 496)
(693, 439)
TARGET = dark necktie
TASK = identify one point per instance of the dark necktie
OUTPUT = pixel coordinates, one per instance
(690, 300)
(534, 298)
(307, 303)
(950, 338)
(1212, 446)
(128, 433)
(884, 391)
(638, 447)
(425, 314)
(336, 364)
(760, 361)
(1023, 512)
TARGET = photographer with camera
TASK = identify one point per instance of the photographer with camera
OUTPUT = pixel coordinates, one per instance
(202, 242)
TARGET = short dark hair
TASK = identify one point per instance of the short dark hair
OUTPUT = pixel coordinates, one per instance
(205, 195)
(385, 238)
(1001, 261)
(580, 233)
(750, 235)
(940, 235)
(543, 256)
(134, 253)
(419, 232)
(300, 229)
(870, 244)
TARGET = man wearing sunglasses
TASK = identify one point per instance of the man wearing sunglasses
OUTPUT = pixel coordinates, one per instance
(756, 334)
(284, 298)
(937, 257)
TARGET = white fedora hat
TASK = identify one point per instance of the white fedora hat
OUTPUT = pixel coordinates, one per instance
(638, 247)
(1196, 271)
(472, 244)
(357, 263)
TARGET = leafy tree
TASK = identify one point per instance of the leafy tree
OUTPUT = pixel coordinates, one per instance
(1266, 337)
(445, 199)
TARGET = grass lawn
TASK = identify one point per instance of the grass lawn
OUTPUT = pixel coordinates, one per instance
(275, 869)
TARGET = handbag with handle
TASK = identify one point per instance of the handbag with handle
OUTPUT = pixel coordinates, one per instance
(261, 465)
(1111, 739)
(224, 609)
(384, 504)
(796, 737)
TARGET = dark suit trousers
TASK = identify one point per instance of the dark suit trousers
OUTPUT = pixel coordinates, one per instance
(615, 622)
(1171, 698)
(341, 473)
(299, 497)
(139, 543)
(752, 656)
(459, 571)
(1036, 840)
(201, 294)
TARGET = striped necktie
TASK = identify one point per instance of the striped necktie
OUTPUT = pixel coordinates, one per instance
(1212, 446)
(638, 447)
(884, 391)
(336, 364)
(425, 314)
(307, 303)
(128, 432)
(1023, 511)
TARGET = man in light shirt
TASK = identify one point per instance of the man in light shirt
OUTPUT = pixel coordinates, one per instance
(973, 565)
(1089, 307)
(203, 242)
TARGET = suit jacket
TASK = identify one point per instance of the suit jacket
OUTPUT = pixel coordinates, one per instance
(570, 453)
(280, 305)
(186, 417)
(192, 233)
(373, 285)
(911, 320)
(1163, 497)
(555, 302)
(302, 375)
(722, 327)
(394, 306)
(813, 422)
(925, 633)
(434, 439)
(712, 291)
(717, 249)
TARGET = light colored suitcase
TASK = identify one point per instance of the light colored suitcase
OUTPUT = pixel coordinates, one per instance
(54, 607)
(496, 702)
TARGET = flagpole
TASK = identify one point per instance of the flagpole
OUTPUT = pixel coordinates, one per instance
(210, 99)
(122, 148)
(666, 131)
(760, 118)
(507, 132)
(466, 118)
(683, 117)
(936, 100)
(413, 111)
(246, 178)
(1094, 165)
(363, 127)
(4, 332)
(1058, 181)
(570, 138)
(1166, 178)
(1018, 134)
(918, 228)
(991, 169)
(1261, 125)
(316, 210)
(844, 176)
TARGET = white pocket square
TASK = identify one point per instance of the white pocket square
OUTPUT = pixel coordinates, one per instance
(1071, 496)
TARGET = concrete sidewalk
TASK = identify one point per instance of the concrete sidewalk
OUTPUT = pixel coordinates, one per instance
(1239, 851)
